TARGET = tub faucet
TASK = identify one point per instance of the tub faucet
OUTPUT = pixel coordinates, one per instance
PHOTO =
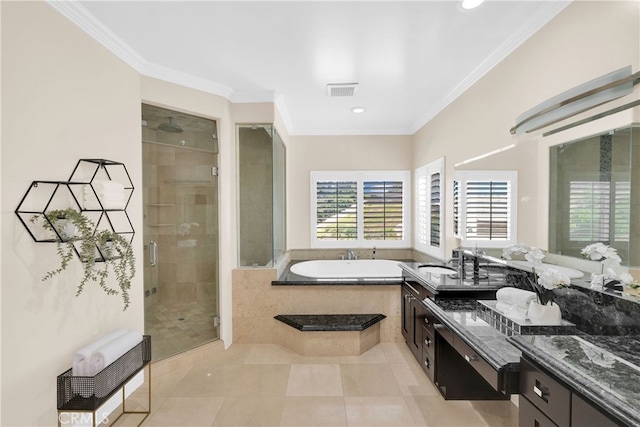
(351, 254)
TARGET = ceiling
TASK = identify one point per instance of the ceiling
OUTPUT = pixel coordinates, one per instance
(409, 58)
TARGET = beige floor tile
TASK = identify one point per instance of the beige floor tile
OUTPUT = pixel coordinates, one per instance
(497, 413)
(314, 412)
(208, 381)
(369, 380)
(412, 381)
(245, 411)
(396, 352)
(185, 412)
(434, 411)
(314, 380)
(269, 354)
(374, 355)
(378, 411)
(261, 380)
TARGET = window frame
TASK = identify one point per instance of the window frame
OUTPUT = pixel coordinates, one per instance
(422, 233)
(360, 177)
(463, 177)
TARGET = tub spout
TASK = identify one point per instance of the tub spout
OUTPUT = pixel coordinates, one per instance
(351, 254)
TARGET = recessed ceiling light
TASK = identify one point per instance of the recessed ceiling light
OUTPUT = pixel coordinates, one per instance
(358, 110)
(471, 4)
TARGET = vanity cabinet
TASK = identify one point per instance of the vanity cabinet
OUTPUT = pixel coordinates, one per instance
(413, 314)
(547, 402)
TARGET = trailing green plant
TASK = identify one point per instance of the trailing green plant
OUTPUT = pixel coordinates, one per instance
(112, 250)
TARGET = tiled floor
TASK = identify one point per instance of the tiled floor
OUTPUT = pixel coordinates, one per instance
(266, 385)
(179, 326)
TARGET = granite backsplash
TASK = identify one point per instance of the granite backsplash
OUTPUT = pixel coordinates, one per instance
(595, 312)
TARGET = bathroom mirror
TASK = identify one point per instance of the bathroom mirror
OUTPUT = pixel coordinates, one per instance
(593, 186)
(593, 193)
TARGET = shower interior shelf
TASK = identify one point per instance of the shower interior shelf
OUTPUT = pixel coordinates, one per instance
(43, 197)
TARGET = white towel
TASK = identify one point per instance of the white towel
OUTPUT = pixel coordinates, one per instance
(515, 296)
(81, 358)
(512, 311)
(109, 352)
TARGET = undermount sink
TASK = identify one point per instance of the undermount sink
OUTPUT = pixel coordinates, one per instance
(436, 269)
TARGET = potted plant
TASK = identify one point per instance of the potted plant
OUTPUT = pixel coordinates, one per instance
(93, 247)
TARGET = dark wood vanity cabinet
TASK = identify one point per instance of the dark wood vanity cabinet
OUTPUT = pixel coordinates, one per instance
(413, 313)
(545, 401)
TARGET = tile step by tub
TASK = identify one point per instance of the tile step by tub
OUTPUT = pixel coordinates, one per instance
(329, 334)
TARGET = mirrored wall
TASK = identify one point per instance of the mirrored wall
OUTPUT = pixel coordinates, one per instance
(594, 192)
(261, 195)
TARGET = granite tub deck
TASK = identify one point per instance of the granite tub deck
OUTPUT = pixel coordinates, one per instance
(329, 334)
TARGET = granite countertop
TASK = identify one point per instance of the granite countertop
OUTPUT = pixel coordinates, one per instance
(442, 282)
(461, 316)
(605, 369)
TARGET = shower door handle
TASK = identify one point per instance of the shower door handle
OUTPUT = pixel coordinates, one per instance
(153, 253)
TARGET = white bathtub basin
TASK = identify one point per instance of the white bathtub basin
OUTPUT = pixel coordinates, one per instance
(572, 273)
(436, 269)
(348, 269)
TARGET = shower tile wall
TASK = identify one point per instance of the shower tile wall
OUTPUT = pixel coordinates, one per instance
(179, 219)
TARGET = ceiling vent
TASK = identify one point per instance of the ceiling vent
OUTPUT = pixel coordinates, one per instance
(341, 89)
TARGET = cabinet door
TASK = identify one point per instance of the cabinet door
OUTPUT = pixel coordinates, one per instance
(583, 414)
(530, 416)
(415, 336)
(548, 395)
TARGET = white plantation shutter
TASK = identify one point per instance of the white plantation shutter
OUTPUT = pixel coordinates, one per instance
(597, 215)
(429, 231)
(589, 211)
(622, 211)
(383, 214)
(359, 209)
(485, 207)
(336, 210)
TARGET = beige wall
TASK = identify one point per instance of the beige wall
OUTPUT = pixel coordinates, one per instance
(585, 41)
(64, 97)
(326, 153)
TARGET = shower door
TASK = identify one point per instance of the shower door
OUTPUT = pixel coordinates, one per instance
(180, 230)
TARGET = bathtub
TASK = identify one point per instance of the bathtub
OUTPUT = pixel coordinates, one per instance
(348, 269)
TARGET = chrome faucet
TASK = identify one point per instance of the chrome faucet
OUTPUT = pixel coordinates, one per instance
(351, 254)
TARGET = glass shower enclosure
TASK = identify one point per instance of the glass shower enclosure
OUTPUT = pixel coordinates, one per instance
(261, 195)
(180, 192)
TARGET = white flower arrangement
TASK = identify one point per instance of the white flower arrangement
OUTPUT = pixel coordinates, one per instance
(601, 252)
(612, 272)
(531, 254)
(549, 280)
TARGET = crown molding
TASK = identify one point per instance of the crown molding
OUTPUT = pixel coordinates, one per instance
(538, 20)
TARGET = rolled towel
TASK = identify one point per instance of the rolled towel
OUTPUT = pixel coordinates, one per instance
(109, 352)
(512, 311)
(82, 357)
(515, 296)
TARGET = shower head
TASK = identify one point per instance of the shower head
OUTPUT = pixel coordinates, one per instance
(170, 127)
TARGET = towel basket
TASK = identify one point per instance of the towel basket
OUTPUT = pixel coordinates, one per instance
(88, 393)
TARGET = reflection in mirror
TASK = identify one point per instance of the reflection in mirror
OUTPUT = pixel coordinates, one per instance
(594, 188)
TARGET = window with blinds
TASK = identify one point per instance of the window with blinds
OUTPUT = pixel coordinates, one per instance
(382, 210)
(597, 215)
(485, 207)
(336, 210)
(429, 231)
(359, 209)
(487, 210)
